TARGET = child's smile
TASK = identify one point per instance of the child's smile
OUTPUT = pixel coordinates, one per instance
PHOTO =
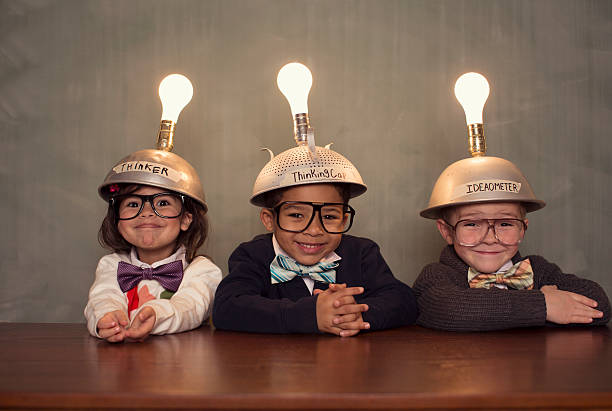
(310, 247)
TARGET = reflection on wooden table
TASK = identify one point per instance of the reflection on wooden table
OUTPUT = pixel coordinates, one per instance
(61, 366)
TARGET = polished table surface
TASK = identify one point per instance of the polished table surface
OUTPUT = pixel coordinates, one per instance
(61, 366)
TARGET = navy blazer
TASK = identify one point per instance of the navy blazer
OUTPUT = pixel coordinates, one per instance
(246, 299)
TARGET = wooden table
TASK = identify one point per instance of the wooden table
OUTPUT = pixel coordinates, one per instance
(61, 366)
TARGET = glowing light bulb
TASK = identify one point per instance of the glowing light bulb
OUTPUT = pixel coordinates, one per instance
(294, 81)
(175, 92)
(472, 91)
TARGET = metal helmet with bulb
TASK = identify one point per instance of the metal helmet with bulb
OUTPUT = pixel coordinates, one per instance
(160, 167)
(306, 163)
(478, 179)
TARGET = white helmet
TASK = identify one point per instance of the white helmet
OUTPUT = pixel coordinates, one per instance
(299, 166)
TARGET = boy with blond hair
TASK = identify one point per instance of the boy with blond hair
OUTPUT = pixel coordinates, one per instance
(481, 281)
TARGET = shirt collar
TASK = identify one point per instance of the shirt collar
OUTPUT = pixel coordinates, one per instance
(505, 267)
(278, 250)
(178, 255)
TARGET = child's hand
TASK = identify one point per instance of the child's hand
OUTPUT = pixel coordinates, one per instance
(337, 302)
(142, 324)
(564, 307)
(352, 321)
(112, 325)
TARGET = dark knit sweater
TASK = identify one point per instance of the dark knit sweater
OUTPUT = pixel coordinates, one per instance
(246, 300)
(447, 302)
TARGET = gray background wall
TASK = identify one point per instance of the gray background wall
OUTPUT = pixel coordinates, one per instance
(78, 91)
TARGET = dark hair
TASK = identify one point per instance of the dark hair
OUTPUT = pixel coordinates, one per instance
(193, 238)
(272, 198)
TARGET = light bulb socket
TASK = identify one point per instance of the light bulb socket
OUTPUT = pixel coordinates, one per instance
(478, 146)
(165, 138)
(301, 124)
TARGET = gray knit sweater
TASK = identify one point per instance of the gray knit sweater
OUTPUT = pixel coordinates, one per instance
(446, 301)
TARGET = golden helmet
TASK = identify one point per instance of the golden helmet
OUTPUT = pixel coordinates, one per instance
(479, 180)
(156, 168)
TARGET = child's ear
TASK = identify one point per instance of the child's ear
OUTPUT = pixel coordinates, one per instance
(186, 220)
(445, 231)
(267, 218)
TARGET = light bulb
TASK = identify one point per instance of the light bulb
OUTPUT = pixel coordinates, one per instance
(175, 92)
(294, 81)
(472, 91)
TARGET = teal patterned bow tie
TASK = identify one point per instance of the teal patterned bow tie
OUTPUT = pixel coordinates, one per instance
(285, 269)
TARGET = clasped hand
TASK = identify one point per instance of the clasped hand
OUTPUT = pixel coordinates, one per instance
(564, 307)
(337, 311)
(113, 326)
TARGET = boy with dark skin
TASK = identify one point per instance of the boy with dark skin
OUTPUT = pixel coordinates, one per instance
(307, 276)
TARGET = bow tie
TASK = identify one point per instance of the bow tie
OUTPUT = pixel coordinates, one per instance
(518, 277)
(168, 275)
(285, 269)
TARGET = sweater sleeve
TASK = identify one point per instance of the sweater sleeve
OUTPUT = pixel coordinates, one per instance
(241, 303)
(445, 303)
(191, 303)
(104, 295)
(391, 303)
(550, 274)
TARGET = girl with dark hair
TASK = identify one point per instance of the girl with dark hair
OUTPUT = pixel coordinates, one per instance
(153, 282)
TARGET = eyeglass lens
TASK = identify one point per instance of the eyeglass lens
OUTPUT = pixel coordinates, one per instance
(473, 232)
(165, 205)
(296, 217)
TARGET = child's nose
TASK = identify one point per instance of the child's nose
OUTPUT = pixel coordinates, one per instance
(315, 227)
(490, 237)
(147, 210)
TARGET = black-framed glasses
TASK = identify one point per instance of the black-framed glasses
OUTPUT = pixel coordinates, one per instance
(164, 205)
(508, 231)
(296, 216)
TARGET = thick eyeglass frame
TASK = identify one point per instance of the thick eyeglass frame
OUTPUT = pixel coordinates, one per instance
(491, 222)
(316, 209)
(116, 200)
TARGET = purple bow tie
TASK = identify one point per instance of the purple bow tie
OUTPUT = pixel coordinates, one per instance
(169, 275)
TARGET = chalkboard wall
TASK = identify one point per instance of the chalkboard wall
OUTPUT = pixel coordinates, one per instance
(78, 91)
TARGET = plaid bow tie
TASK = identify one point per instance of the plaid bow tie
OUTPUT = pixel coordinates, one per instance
(518, 277)
(285, 269)
(168, 275)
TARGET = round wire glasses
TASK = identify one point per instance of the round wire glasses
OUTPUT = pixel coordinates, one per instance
(470, 233)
